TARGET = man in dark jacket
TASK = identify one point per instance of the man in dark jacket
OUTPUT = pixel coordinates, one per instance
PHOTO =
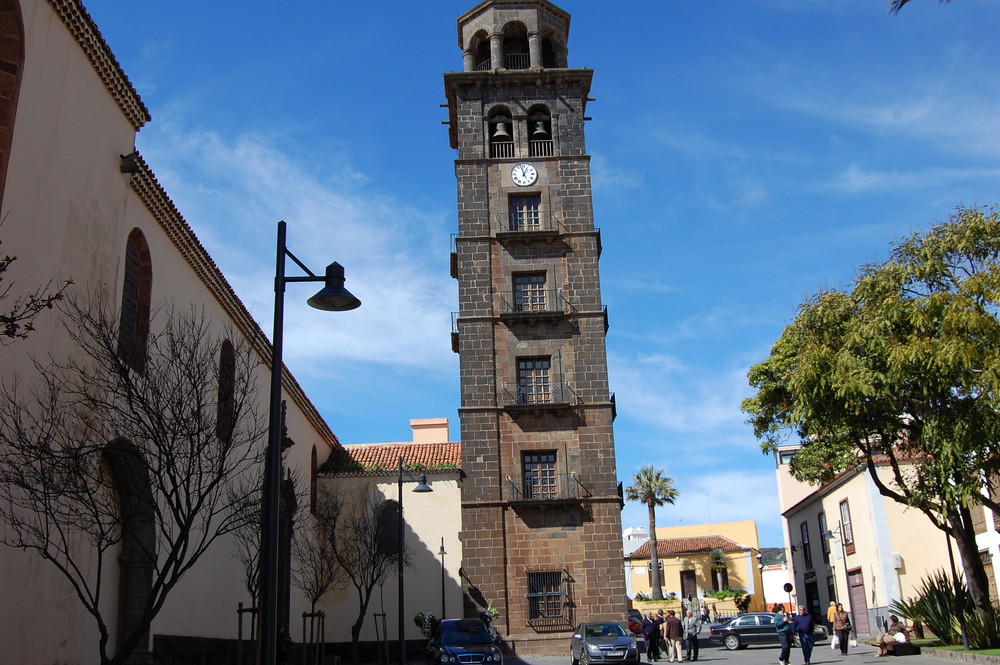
(651, 631)
(803, 625)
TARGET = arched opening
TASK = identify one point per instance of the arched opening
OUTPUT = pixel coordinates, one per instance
(137, 287)
(553, 52)
(500, 128)
(136, 564)
(480, 47)
(515, 46)
(387, 527)
(11, 64)
(539, 131)
(313, 466)
(225, 408)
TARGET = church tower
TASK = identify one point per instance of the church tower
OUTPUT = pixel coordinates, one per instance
(541, 523)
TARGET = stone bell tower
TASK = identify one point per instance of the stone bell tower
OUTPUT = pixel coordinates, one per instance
(541, 524)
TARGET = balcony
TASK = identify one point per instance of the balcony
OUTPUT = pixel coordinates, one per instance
(538, 401)
(526, 227)
(517, 60)
(548, 489)
(541, 307)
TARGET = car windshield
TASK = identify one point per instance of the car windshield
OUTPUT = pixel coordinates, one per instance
(604, 630)
(464, 633)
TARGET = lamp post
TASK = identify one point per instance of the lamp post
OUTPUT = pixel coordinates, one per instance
(839, 533)
(422, 486)
(441, 554)
(332, 298)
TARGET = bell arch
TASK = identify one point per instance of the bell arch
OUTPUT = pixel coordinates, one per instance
(500, 128)
(515, 46)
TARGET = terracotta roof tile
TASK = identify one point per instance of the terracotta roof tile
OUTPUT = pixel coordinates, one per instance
(674, 546)
(382, 458)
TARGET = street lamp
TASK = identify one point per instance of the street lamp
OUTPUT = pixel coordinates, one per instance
(441, 554)
(838, 533)
(422, 486)
(332, 298)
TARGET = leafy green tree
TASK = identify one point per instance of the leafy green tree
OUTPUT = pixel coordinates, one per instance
(900, 374)
(653, 489)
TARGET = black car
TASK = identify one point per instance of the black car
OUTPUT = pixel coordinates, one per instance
(465, 642)
(602, 642)
(752, 628)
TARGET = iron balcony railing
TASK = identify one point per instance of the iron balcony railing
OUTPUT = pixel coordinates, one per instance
(537, 220)
(542, 302)
(553, 395)
(542, 487)
(484, 66)
(518, 60)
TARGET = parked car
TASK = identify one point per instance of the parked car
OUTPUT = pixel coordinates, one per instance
(464, 641)
(752, 628)
(634, 621)
(602, 642)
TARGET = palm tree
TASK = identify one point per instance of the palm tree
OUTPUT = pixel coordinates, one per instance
(653, 489)
(896, 5)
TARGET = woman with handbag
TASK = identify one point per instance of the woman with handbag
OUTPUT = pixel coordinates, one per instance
(842, 628)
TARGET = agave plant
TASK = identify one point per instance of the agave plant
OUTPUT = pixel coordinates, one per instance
(935, 606)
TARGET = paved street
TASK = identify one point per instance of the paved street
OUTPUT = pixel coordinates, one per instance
(768, 655)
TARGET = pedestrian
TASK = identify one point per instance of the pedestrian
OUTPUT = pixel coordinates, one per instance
(830, 612)
(704, 613)
(651, 631)
(784, 627)
(803, 624)
(692, 626)
(673, 636)
(661, 645)
(842, 628)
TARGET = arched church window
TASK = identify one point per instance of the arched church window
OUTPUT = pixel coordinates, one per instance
(387, 527)
(137, 286)
(539, 132)
(225, 410)
(500, 129)
(515, 46)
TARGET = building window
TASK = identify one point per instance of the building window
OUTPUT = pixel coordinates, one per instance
(525, 213)
(529, 292)
(806, 550)
(539, 475)
(823, 540)
(533, 381)
(845, 526)
(137, 286)
(387, 527)
(545, 595)
(225, 407)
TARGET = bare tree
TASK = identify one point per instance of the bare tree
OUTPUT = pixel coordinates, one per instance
(108, 471)
(314, 565)
(366, 546)
(17, 319)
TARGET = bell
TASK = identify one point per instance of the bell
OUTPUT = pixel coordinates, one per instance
(501, 131)
(539, 130)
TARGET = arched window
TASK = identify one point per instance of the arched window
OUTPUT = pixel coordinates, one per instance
(225, 408)
(312, 480)
(387, 527)
(553, 52)
(501, 129)
(137, 287)
(539, 132)
(515, 46)
(11, 62)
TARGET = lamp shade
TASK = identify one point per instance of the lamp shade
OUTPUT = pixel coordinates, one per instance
(422, 485)
(334, 297)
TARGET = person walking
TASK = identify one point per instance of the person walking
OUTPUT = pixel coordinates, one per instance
(673, 634)
(651, 631)
(842, 628)
(831, 611)
(803, 624)
(784, 627)
(692, 627)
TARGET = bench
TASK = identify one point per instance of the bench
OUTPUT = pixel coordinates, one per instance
(900, 648)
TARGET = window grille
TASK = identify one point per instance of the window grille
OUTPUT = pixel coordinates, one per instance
(539, 475)
(533, 381)
(529, 292)
(525, 213)
(545, 595)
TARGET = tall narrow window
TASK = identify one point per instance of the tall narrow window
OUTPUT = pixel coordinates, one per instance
(525, 213)
(845, 526)
(823, 540)
(545, 595)
(529, 292)
(533, 381)
(539, 475)
(137, 286)
(807, 554)
(225, 409)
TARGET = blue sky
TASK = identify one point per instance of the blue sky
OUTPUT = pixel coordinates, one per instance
(746, 154)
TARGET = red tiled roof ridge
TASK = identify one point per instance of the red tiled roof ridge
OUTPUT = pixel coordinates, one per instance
(380, 458)
(687, 545)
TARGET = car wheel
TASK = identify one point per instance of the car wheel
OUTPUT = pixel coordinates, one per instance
(732, 642)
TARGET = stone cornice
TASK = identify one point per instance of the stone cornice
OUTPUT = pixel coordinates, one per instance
(154, 197)
(77, 20)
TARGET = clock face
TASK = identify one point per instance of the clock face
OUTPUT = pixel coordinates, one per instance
(523, 174)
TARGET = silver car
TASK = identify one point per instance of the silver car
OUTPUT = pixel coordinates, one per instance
(602, 642)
